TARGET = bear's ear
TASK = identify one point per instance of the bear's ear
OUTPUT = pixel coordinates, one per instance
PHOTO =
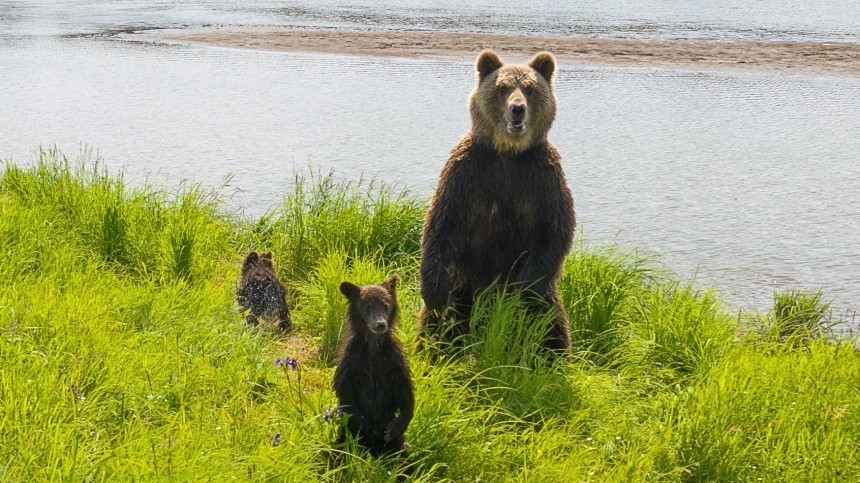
(544, 64)
(349, 290)
(488, 62)
(251, 258)
(390, 285)
(267, 255)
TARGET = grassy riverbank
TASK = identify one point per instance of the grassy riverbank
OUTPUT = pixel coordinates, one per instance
(123, 357)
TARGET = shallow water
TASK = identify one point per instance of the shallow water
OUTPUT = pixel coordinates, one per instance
(749, 181)
(835, 20)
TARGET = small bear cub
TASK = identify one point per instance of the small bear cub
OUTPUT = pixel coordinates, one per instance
(372, 379)
(262, 293)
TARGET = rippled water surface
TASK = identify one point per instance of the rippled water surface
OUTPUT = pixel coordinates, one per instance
(749, 181)
(723, 19)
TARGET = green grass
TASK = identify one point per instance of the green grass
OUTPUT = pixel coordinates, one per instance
(798, 317)
(123, 356)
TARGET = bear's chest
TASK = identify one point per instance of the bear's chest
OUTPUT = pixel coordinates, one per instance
(504, 197)
(502, 217)
(376, 378)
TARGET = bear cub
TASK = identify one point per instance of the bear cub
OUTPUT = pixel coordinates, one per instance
(372, 379)
(262, 293)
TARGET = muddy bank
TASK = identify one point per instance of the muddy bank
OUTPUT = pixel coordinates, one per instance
(807, 57)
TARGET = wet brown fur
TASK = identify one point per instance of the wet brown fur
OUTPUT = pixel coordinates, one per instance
(261, 293)
(502, 211)
(372, 379)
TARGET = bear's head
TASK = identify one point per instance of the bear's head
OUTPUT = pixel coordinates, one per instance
(256, 260)
(513, 106)
(373, 309)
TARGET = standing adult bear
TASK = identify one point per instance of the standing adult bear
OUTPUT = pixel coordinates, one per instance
(502, 211)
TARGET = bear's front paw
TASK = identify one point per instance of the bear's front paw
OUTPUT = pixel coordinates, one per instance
(435, 298)
(390, 433)
(435, 288)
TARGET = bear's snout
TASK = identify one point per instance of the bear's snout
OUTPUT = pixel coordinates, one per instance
(379, 326)
(518, 112)
(516, 117)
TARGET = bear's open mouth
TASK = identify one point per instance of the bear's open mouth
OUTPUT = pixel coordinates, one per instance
(516, 127)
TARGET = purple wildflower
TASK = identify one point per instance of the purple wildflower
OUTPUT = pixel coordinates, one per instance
(333, 413)
(276, 439)
(288, 361)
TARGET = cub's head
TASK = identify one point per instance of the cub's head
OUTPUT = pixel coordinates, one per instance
(513, 106)
(256, 260)
(373, 308)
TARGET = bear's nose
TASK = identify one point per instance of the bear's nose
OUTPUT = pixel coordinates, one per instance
(518, 111)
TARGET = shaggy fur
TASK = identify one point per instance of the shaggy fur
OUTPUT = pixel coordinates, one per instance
(502, 212)
(262, 293)
(372, 379)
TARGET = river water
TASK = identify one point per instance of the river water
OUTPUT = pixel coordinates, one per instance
(749, 181)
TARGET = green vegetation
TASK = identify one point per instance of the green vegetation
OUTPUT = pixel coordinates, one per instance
(123, 356)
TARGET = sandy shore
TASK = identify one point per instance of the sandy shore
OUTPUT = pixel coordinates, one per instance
(808, 57)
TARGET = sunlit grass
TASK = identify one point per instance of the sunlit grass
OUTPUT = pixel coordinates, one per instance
(123, 356)
(799, 316)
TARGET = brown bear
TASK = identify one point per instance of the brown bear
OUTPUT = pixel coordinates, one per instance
(261, 292)
(502, 211)
(372, 379)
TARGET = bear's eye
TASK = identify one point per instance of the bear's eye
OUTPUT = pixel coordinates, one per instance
(528, 90)
(504, 91)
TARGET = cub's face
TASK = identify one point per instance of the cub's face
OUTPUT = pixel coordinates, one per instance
(513, 106)
(375, 305)
(256, 260)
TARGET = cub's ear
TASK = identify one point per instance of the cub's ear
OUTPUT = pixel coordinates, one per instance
(267, 255)
(251, 258)
(350, 290)
(390, 285)
(487, 63)
(544, 64)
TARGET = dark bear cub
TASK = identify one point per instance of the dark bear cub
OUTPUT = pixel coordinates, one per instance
(372, 379)
(262, 293)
